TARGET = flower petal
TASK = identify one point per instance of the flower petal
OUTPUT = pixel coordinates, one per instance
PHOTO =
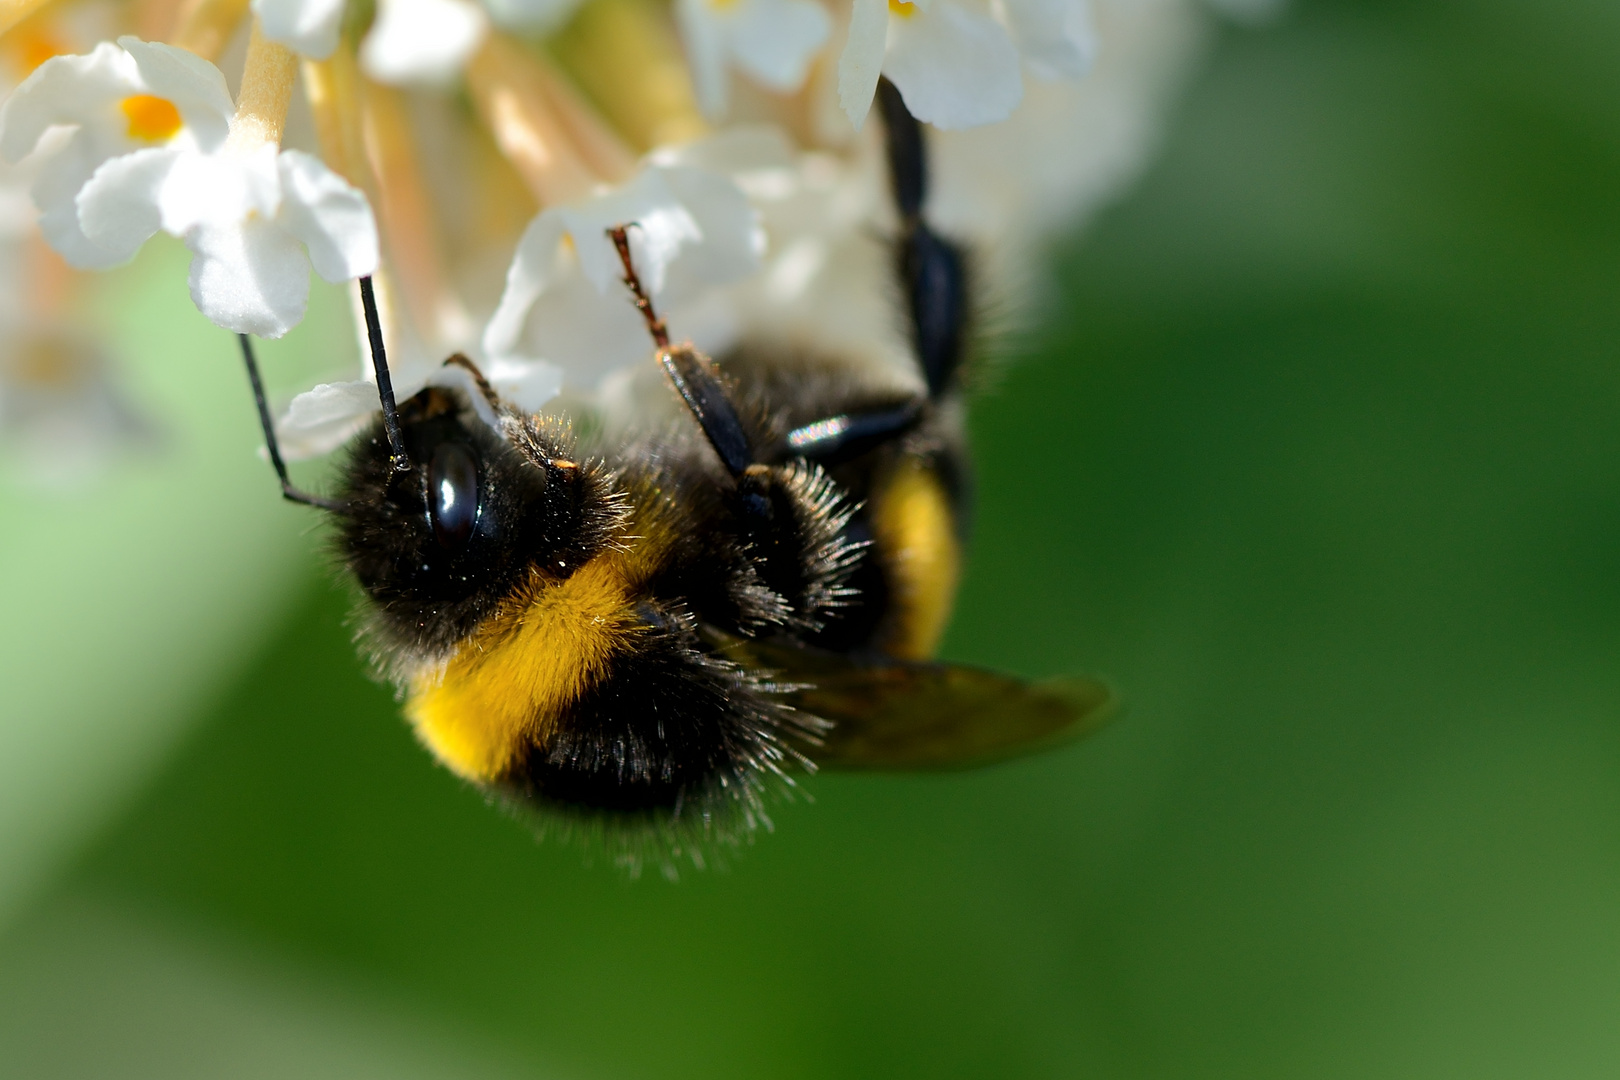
(703, 34)
(956, 68)
(325, 417)
(252, 278)
(528, 384)
(119, 206)
(329, 215)
(309, 27)
(55, 191)
(194, 86)
(220, 190)
(422, 40)
(89, 95)
(66, 90)
(536, 265)
(775, 40)
(695, 232)
(861, 62)
(306, 26)
(731, 240)
(584, 333)
(1056, 36)
(662, 227)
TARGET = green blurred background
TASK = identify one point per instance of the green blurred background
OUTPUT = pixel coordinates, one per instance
(1316, 456)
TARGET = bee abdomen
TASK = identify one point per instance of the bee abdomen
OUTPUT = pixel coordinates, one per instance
(668, 731)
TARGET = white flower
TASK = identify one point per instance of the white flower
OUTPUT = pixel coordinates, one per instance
(306, 26)
(826, 284)
(326, 416)
(150, 151)
(250, 270)
(1055, 37)
(564, 303)
(955, 63)
(773, 41)
(422, 40)
(410, 41)
(119, 101)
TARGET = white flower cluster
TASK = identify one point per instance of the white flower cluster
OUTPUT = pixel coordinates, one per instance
(142, 143)
(562, 318)
(411, 40)
(957, 62)
(511, 151)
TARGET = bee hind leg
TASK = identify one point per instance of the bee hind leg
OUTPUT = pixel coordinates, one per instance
(932, 269)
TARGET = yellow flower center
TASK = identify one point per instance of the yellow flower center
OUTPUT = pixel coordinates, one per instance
(903, 8)
(152, 119)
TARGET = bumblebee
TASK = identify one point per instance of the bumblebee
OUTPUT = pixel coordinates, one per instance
(653, 635)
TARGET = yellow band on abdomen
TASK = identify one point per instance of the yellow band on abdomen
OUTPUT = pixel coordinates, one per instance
(914, 526)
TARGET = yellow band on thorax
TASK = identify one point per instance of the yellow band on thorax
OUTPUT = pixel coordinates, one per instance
(551, 641)
(505, 687)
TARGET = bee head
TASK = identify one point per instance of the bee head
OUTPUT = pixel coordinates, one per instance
(437, 546)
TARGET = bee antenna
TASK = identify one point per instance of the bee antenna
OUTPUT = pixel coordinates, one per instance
(620, 234)
(291, 493)
(385, 386)
(484, 388)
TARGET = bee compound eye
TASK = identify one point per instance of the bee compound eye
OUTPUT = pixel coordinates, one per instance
(453, 494)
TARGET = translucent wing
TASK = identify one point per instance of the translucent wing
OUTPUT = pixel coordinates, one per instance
(929, 716)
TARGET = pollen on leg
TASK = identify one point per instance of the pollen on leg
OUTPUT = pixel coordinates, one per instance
(903, 8)
(151, 118)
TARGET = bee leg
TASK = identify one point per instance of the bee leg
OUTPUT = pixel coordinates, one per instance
(932, 270)
(789, 519)
(849, 435)
(692, 374)
(699, 385)
(291, 493)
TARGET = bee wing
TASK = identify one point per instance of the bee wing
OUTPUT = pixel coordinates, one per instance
(894, 715)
